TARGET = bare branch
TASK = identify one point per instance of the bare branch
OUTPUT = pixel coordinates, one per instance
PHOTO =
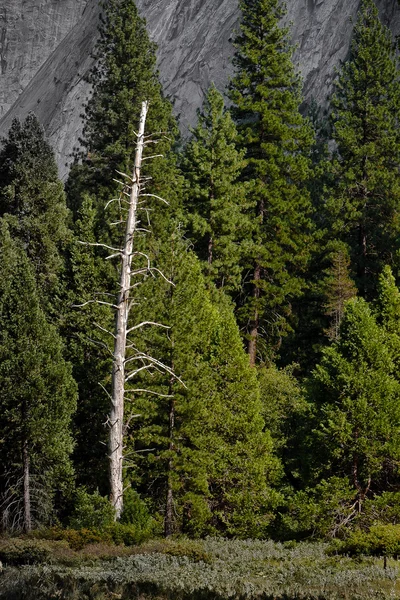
(154, 156)
(105, 330)
(100, 246)
(155, 196)
(162, 275)
(94, 302)
(147, 323)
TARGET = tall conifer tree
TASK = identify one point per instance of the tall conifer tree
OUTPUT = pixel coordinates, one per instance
(37, 396)
(357, 393)
(87, 349)
(33, 198)
(125, 75)
(214, 197)
(209, 467)
(364, 206)
(266, 97)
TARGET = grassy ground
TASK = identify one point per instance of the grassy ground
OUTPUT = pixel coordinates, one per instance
(202, 570)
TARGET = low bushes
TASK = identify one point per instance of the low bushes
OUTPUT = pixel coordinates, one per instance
(16, 552)
(380, 540)
(235, 570)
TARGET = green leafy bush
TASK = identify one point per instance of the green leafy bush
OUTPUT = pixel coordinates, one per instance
(319, 512)
(17, 552)
(128, 535)
(91, 511)
(383, 509)
(380, 540)
(75, 538)
(135, 511)
(191, 549)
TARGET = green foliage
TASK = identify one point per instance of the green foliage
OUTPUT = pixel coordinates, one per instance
(135, 511)
(364, 203)
(338, 288)
(38, 394)
(215, 199)
(266, 97)
(124, 76)
(246, 570)
(382, 508)
(321, 511)
(88, 275)
(357, 389)
(282, 401)
(17, 552)
(215, 458)
(107, 535)
(380, 540)
(32, 197)
(91, 510)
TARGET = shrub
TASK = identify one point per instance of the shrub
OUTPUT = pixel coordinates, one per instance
(320, 512)
(17, 552)
(135, 511)
(380, 540)
(91, 511)
(129, 535)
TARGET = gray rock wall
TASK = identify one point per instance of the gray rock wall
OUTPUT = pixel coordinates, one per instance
(29, 33)
(45, 53)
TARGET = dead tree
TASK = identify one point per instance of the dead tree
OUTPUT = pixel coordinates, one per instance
(116, 419)
(128, 360)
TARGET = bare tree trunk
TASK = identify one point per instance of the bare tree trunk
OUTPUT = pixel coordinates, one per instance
(26, 486)
(116, 418)
(210, 250)
(255, 322)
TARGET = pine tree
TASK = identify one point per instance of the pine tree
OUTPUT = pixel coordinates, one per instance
(364, 204)
(214, 197)
(358, 392)
(209, 466)
(338, 288)
(266, 97)
(125, 75)
(87, 349)
(38, 397)
(33, 198)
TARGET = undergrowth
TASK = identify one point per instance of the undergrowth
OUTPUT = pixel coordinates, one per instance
(205, 570)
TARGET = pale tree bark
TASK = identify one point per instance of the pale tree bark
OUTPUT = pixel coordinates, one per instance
(116, 417)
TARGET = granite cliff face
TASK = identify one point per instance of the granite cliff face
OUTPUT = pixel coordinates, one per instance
(45, 52)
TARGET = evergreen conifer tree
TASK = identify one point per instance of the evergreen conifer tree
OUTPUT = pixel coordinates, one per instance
(87, 349)
(338, 289)
(357, 391)
(210, 466)
(365, 202)
(38, 397)
(125, 75)
(215, 199)
(266, 96)
(33, 198)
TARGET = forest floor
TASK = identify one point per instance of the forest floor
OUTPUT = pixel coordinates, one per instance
(211, 569)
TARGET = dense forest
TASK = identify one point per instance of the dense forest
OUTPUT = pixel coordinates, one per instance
(257, 392)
